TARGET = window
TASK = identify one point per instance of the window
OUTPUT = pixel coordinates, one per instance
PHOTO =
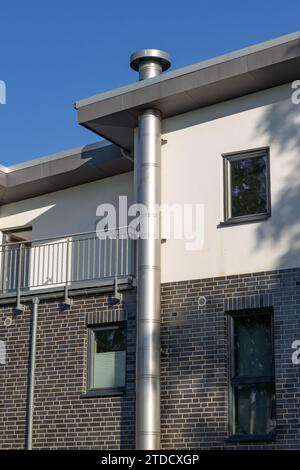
(18, 235)
(16, 250)
(252, 387)
(107, 359)
(246, 186)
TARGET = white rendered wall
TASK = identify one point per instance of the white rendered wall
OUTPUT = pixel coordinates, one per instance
(192, 172)
(67, 212)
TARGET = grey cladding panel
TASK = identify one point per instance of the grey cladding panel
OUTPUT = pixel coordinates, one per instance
(91, 163)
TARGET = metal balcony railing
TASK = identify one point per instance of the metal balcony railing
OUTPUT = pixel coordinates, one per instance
(72, 260)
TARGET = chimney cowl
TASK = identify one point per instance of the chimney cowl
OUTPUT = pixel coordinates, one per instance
(150, 62)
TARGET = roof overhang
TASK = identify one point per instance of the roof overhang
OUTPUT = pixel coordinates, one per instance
(114, 115)
(62, 170)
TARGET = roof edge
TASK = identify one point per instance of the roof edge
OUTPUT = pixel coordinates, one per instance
(53, 156)
(189, 69)
(62, 170)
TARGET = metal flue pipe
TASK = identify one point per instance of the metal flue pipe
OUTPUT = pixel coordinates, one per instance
(149, 63)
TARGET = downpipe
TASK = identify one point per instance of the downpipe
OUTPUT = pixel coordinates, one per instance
(35, 304)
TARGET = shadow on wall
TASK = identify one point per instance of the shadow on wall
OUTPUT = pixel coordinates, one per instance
(54, 213)
(193, 371)
(280, 125)
(227, 108)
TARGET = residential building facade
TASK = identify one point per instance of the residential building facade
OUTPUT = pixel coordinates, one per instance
(229, 284)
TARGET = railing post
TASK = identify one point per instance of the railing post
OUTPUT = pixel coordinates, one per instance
(67, 301)
(117, 296)
(4, 269)
(19, 306)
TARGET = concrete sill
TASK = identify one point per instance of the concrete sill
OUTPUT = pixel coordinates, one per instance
(251, 438)
(251, 219)
(105, 392)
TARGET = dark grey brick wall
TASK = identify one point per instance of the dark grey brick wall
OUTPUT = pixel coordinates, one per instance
(194, 360)
(194, 367)
(61, 418)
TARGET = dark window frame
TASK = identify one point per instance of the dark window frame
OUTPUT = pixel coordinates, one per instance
(234, 156)
(92, 392)
(233, 380)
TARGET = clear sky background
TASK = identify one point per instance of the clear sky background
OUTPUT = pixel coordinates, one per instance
(56, 52)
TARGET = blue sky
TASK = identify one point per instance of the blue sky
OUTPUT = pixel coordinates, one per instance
(55, 52)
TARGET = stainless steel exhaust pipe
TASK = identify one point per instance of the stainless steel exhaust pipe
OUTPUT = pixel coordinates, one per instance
(149, 63)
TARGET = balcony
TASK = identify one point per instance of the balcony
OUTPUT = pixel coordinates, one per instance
(68, 263)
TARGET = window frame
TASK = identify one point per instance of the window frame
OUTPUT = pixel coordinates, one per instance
(233, 380)
(7, 232)
(91, 391)
(241, 155)
(6, 246)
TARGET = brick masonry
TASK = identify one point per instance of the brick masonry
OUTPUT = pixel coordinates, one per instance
(193, 364)
(62, 419)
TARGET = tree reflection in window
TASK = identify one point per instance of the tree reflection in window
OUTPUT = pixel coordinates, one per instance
(252, 373)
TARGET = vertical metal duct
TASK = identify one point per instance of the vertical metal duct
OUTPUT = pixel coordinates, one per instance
(35, 302)
(149, 63)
